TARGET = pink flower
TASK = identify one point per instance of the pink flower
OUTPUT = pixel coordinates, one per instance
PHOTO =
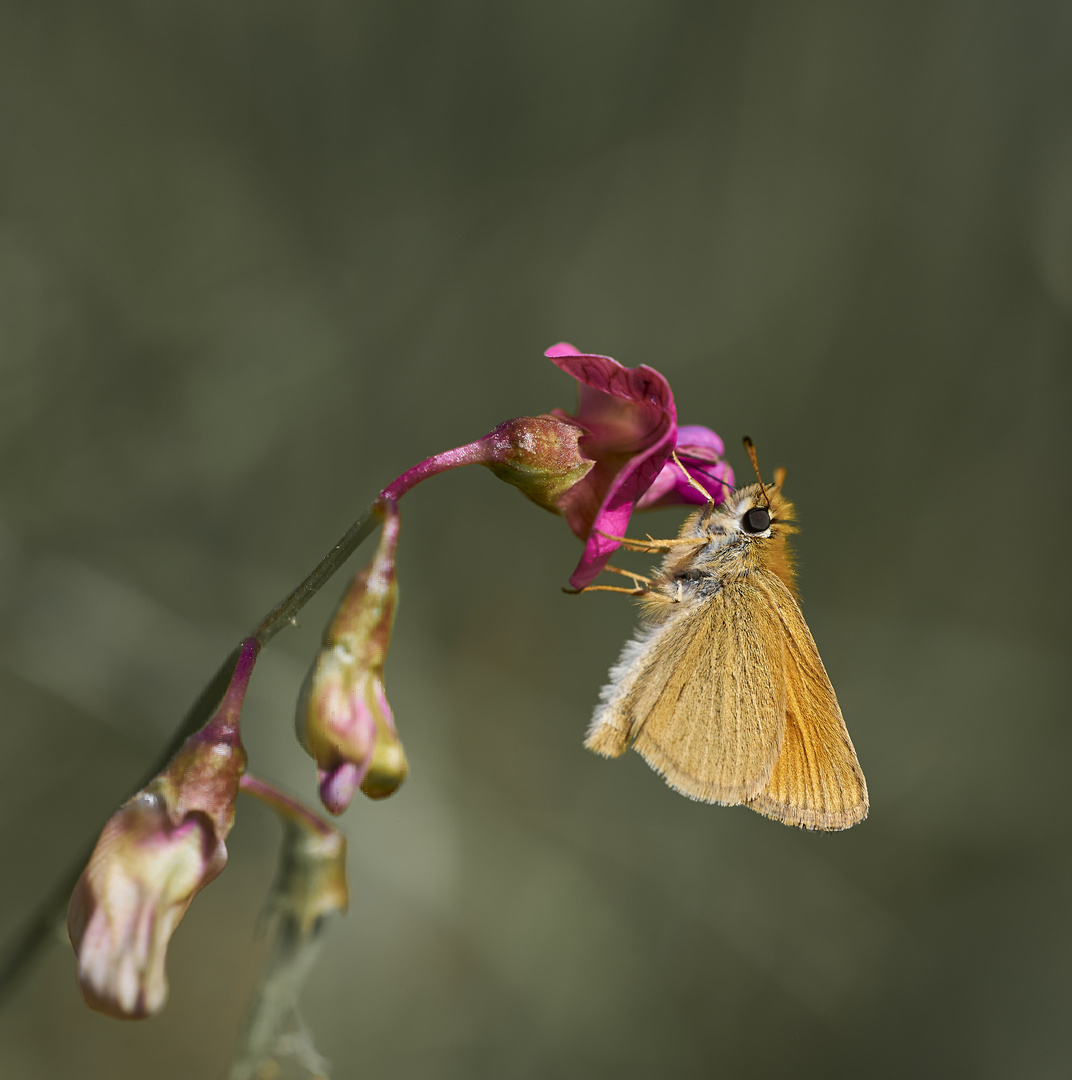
(596, 466)
(631, 424)
(344, 720)
(157, 851)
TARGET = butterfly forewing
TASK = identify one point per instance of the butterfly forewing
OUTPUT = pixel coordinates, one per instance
(817, 782)
(705, 699)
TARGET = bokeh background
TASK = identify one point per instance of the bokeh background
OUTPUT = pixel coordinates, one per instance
(257, 258)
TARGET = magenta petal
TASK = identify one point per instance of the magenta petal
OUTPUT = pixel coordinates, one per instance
(563, 348)
(338, 785)
(630, 425)
(716, 479)
(613, 516)
(672, 488)
(663, 491)
(641, 385)
(700, 450)
(696, 441)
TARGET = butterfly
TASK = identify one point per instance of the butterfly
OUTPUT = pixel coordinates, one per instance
(722, 690)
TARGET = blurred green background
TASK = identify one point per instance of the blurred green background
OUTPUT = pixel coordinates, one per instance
(258, 258)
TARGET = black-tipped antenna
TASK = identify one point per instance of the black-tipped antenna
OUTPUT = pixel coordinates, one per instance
(750, 450)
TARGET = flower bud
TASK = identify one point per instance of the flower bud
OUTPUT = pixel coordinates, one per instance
(540, 455)
(344, 720)
(157, 851)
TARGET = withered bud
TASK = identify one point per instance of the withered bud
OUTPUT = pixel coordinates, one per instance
(156, 852)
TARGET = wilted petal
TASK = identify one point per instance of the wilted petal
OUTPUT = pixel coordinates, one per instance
(139, 882)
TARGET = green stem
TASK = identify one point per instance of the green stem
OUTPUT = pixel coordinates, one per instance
(283, 614)
(39, 927)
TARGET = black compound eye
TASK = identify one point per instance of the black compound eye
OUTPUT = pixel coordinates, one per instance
(756, 520)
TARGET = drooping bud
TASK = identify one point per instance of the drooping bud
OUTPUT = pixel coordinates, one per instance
(343, 719)
(157, 851)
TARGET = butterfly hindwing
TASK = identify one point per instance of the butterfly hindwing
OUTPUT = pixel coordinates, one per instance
(817, 782)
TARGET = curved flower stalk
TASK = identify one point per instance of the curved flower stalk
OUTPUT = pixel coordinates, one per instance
(157, 851)
(343, 719)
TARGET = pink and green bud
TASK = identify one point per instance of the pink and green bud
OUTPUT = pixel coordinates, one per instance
(540, 455)
(157, 851)
(344, 720)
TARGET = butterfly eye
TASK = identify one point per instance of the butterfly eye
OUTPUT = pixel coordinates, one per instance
(757, 520)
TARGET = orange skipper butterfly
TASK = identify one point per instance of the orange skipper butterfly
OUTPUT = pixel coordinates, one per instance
(722, 690)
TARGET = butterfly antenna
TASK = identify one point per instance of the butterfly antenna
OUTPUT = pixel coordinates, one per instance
(750, 449)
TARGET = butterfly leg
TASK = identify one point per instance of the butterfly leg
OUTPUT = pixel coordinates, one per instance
(628, 573)
(606, 588)
(638, 590)
(651, 544)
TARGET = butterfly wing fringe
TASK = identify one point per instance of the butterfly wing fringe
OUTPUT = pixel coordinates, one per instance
(608, 733)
